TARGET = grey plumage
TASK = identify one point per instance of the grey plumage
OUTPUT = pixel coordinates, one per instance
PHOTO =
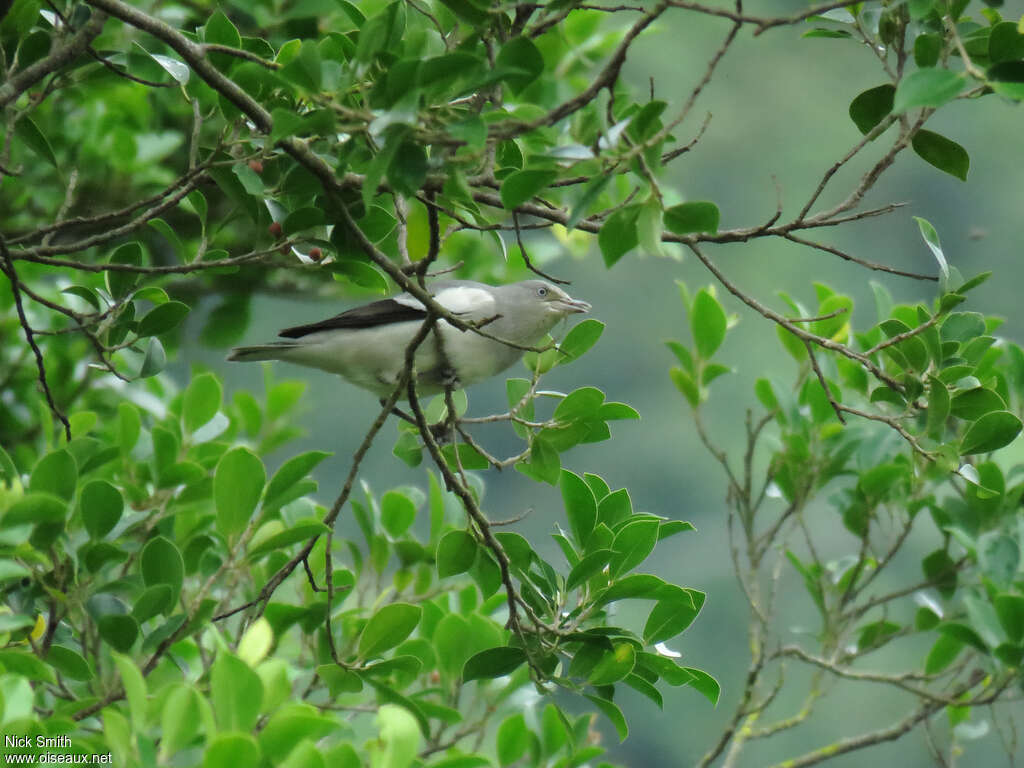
(366, 345)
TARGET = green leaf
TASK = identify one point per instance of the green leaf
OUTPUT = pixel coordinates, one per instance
(27, 665)
(991, 431)
(928, 88)
(672, 615)
(999, 557)
(579, 405)
(632, 544)
(931, 239)
(56, 473)
(290, 473)
(397, 513)
(339, 680)
(29, 133)
(939, 568)
(493, 662)
(579, 340)
(942, 654)
(120, 283)
(520, 53)
(236, 693)
(467, 11)
(201, 401)
(1005, 42)
(513, 739)
(618, 235)
(134, 688)
(580, 506)
(613, 665)
(927, 50)
(588, 567)
(388, 627)
(704, 683)
(156, 599)
(582, 202)
(33, 508)
(102, 505)
(301, 530)
(1010, 611)
(162, 318)
(544, 464)
(938, 407)
(237, 485)
(232, 750)
(180, 719)
(870, 107)
(69, 663)
(613, 713)
(945, 154)
(161, 563)
(708, 323)
(456, 553)
(154, 360)
(689, 218)
(302, 219)
(650, 226)
(520, 186)
(86, 294)
(407, 170)
(974, 403)
(119, 631)
(381, 32)
(399, 736)
(361, 274)
(684, 383)
(305, 70)
(221, 31)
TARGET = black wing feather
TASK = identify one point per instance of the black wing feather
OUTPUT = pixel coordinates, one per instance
(381, 312)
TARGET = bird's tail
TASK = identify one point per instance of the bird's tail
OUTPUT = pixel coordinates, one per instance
(273, 351)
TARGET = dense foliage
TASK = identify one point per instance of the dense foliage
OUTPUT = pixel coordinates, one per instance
(170, 601)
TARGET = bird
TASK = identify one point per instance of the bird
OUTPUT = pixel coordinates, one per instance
(366, 345)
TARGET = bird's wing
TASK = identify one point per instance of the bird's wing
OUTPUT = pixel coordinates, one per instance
(460, 297)
(383, 312)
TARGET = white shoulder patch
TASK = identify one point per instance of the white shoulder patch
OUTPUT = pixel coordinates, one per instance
(407, 300)
(463, 299)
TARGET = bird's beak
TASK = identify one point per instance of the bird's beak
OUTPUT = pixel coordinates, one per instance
(572, 306)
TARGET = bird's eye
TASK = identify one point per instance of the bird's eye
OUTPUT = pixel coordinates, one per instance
(542, 291)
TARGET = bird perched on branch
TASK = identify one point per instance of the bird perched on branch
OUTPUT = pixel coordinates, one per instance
(367, 345)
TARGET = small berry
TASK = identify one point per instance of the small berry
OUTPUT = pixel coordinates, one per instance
(284, 250)
(256, 165)
(275, 229)
(316, 254)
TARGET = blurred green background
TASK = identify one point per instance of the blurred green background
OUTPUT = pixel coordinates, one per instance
(779, 109)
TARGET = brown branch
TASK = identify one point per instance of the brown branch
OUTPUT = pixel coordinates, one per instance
(856, 260)
(824, 384)
(761, 23)
(903, 336)
(893, 732)
(800, 333)
(12, 275)
(61, 55)
(605, 79)
(526, 257)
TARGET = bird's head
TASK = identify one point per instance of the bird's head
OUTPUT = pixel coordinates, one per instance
(548, 298)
